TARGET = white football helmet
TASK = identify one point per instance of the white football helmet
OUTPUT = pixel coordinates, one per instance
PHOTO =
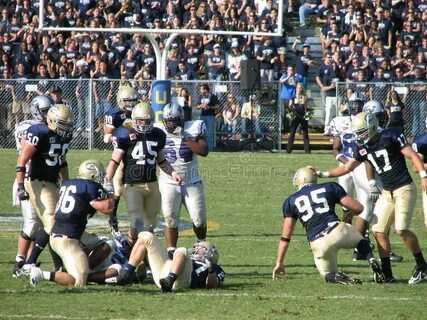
(173, 117)
(126, 98)
(60, 119)
(204, 250)
(304, 176)
(377, 109)
(92, 170)
(39, 107)
(365, 127)
(143, 118)
(356, 102)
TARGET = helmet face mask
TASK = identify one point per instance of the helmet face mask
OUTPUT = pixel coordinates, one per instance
(40, 106)
(143, 118)
(127, 98)
(173, 117)
(92, 170)
(204, 250)
(365, 127)
(60, 119)
(304, 176)
(356, 102)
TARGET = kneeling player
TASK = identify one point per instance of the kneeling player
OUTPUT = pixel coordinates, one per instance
(79, 200)
(314, 205)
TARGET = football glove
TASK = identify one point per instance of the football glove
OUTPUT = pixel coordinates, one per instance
(108, 186)
(22, 193)
(374, 190)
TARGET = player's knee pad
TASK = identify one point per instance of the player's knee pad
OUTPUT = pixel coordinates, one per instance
(24, 236)
(171, 222)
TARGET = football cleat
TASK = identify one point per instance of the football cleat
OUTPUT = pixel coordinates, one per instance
(166, 284)
(16, 267)
(395, 258)
(24, 272)
(36, 276)
(377, 272)
(418, 274)
(341, 278)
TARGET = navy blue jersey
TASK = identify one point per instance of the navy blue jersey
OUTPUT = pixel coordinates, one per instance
(384, 154)
(51, 150)
(116, 116)
(314, 206)
(200, 273)
(420, 145)
(74, 208)
(140, 153)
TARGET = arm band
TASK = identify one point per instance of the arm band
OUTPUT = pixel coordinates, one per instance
(64, 164)
(423, 174)
(338, 157)
(325, 174)
(115, 162)
(22, 169)
(285, 239)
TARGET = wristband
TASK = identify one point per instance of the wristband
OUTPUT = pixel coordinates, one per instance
(423, 174)
(22, 169)
(324, 174)
(373, 182)
(338, 157)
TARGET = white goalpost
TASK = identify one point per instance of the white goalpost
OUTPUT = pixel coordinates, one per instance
(173, 33)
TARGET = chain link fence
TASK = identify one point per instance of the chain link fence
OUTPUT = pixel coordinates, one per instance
(412, 95)
(91, 98)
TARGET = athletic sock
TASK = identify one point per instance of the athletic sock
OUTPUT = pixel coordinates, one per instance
(386, 267)
(42, 239)
(365, 249)
(419, 259)
(172, 277)
(129, 268)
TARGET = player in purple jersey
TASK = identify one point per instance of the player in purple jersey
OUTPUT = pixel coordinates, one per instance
(314, 205)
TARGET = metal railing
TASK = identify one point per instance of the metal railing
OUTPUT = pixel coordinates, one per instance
(89, 99)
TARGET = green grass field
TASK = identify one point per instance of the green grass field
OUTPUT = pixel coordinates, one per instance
(245, 192)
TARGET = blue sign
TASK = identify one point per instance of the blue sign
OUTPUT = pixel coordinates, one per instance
(160, 96)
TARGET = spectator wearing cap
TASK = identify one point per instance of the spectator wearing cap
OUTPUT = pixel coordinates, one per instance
(21, 98)
(308, 7)
(208, 103)
(303, 61)
(326, 77)
(233, 59)
(193, 61)
(216, 64)
(103, 92)
(267, 56)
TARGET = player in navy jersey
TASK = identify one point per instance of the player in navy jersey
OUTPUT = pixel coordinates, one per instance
(39, 107)
(115, 118)
(386, 151)
(194, 268)
(141, 149)
(45, 145)
(184, 142)
(314, 205)
(79, 200)
(420, 146)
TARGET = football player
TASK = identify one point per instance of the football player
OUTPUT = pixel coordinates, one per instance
(344, 144)
(141, 149)
(45, 145)
(184, 141)
(314, 205)
(194, 268)
(114, 118)
(39, 107)
(78, 201)
(386, 151)
(420, 146)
